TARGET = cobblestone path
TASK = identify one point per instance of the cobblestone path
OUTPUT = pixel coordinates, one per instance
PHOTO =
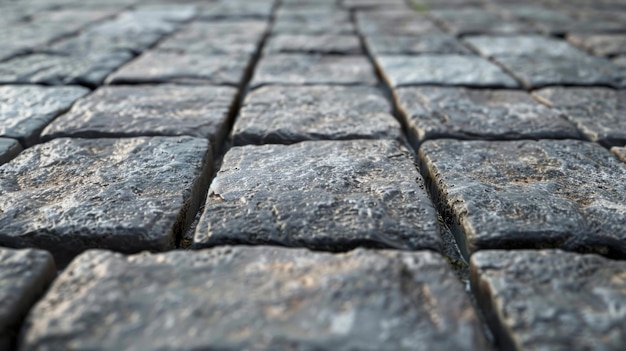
(312, 175)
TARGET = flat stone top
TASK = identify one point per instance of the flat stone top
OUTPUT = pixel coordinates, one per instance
(415, 44)
(238, 298)
(600, 44)
(518, 45)
(9, 148)
(478, 21)
(314, 23)
(398, 22)
(346, 44)
(287, 114)
(527, 194)
(69, 195)
(325, 195)
(26, 109)
(228, 9)
(620, 152)
(167, 110)
(552, 300)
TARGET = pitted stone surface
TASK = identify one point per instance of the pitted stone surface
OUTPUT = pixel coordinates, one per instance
(25, 110)
(522, 45)
(314, 44)
(530, 194)
(240, 37)
(166, 110)
(168, 67)
(552, 300)
(25, 275)
(442, 70)
(599, 113)
(89, 69)
(241, 298)
(229, 9)
(460, 113)
(9, 148)
(415, 44)
(128, 195)
(287, 114)
(314, 23)
(325, 195)
(620, 152)
(477, 21)
(314, 69)
(397, 22)
(600, 44)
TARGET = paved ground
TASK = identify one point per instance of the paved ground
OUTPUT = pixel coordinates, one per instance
(313, 175)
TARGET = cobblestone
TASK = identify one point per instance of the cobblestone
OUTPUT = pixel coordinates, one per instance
(415, 44)
(600, 44)
(314, 44)
(9, 148)
(314, 23)
(477, 21)
(400, 22)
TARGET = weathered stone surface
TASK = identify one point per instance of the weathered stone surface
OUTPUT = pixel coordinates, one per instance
(88, 69)
(599, 113)
(600, 44)
(398, 22)
(25, 110)
(287, 114)
(326, 195)
(241, 298)
(620, 61)
(166, 110)
(9, 148)
(620, 152)
(237, 37)
(442, 70)
(25, 275)
(460, 113)
(415, 44)
(530, 194)
(477, 21)
(552, 300)
(236, 9)
(313, 69)
(368, 4)
(128, 195)
(314, 44)
(522, 45)
(169, 67)
(314, 23)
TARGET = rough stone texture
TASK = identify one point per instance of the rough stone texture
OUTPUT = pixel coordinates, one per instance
(88, 69)
(530, 194)
(620, 61)
(522, 45)
(599, 113)
(128, 195)
(552, 300)
(620, 152)
(25, 275)
(167, 110)
(398, 22)
(285, 115)
(313, 69)
(25, 110)
(9, 148)
(167, 67)
(442, 70)
(325, 195)
(477, 21)
(370, 4)
(314, 23)
(460, 113)
(240, 37)
(415, 44)
(600, 44)
(236, 9)
(314, 44)
(256, 299)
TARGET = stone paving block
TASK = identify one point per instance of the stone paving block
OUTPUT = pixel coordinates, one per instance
(236, 37)
(314, 23)
(415, 44)
(466, 21)
(460, 113)
(25, 276)
(463, 70)
(236, 9)
(324, 195)
(241, 298)
(86, 69)
(343, 44)
(600, 44)
(165, 110)
(522, 45)
(127, 195)
(369, 4)
(25, 110)
(171, 67)
(620, 61)
(395, 22)
(530, 194)
(620, 152)
(287, 114)
(599, 113)
(552, 300)
(314, 69)
(9, 148)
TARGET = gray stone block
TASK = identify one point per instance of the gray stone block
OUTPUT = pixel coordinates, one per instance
(285, 115)
(461, 113)
(314, 23)
(395, 22)
(127, 195)
(415, 44)
(478, 21)
(344, 44)
(9, 148)
(599, 113)
(239, 298)
(165, 110)
(324, 195)
(600, 44)
(300, 69)
(25, 110)
(529, 194)
(236, 9)
(25, 276)
(522, 45)
(169, 67)
(551, 300)
(454, 70)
